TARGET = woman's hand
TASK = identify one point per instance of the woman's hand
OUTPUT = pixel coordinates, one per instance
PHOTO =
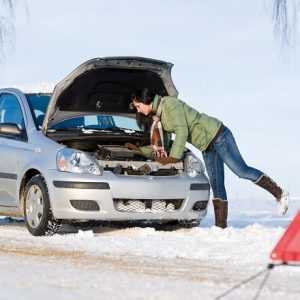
(132, 147)
(159, 152)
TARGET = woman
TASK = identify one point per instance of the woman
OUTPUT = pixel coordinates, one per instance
(210, 136)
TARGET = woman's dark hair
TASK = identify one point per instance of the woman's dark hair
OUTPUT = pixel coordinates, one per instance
(144, 122)
(146, 97)
(142, 95)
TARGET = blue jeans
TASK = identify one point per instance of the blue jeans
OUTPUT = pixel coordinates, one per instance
(225, 150)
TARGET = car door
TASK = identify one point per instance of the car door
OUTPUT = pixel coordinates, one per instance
(11, 149)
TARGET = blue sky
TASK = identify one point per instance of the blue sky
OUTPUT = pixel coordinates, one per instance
(226, 64)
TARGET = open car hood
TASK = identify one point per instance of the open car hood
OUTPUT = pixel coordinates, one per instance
(104, 86)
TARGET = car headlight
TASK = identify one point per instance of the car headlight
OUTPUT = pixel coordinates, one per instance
(193, 165)
(74, 161)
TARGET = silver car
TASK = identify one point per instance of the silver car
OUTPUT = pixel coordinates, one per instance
(64, 159)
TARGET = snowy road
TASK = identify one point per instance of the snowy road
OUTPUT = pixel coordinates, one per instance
(142, 263)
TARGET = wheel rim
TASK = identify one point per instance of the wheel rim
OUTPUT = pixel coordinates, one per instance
(34, 206)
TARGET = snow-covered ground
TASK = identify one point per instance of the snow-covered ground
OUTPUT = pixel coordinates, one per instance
(144, 263)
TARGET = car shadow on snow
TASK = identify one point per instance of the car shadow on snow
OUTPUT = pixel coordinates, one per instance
(96, 227)
(107, 226)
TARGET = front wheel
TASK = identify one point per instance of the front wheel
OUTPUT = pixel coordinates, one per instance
(38, 216)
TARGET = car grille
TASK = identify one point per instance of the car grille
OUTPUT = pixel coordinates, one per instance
(147, 205)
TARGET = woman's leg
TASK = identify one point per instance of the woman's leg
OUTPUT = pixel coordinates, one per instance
(215, 170)
(227, 149)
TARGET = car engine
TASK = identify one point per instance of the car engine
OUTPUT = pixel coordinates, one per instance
(116, 153)
(123, 161)
(115, 157)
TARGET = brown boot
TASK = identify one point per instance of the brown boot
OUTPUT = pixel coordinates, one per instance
(272, 187)
(221, 212)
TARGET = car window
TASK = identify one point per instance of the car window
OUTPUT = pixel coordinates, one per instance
(10, 111)
(38, 104)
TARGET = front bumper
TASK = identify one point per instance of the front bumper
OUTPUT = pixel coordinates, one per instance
(64, 187)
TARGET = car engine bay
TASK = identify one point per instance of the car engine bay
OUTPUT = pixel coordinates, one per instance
(111, 154)
(123, 161)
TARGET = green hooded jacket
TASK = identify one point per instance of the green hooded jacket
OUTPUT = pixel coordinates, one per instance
(186, 123)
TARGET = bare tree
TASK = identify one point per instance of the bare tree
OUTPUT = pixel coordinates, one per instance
(285, 18)
(7, 27)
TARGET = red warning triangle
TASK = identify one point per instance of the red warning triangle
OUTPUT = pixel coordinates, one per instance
(288, 247)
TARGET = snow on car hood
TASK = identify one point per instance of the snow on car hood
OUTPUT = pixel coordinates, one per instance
(104, 85)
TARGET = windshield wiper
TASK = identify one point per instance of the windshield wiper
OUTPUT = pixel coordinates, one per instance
(93, 130)
(129, 130)
(63, 129)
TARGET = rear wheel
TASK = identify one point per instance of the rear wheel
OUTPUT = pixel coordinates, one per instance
(38, 216)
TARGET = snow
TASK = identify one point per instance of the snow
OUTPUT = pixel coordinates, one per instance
(144, 263)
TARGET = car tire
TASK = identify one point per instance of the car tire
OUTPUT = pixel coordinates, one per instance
(37, 211)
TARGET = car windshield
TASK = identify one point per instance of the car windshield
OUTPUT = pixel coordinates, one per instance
(98, 122)
(39, 103)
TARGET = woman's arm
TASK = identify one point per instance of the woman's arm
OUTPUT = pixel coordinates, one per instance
(174, 113)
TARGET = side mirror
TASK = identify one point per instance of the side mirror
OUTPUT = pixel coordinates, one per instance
(10, 129)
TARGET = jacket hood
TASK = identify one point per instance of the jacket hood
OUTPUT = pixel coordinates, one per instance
(104, 85)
